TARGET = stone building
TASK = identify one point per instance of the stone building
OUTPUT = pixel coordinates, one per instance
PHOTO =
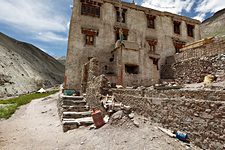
(149, 37)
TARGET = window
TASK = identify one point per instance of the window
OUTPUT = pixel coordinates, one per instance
(152, 44)
(117, 34)
(176, 25)
(123, 15)
(178, 45)
(190, 30)
(151, 21)
(90, 36)
(90, 8)
(131, 69)
(89, 40)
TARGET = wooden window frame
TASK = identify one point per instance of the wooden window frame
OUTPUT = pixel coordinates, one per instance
(151, 21)
(89, 39)
(125, 33)
(176, 27)
(190, 30)
(123, 15)
(152, 43)
(90, 35)
(178, 45)
(90, 8)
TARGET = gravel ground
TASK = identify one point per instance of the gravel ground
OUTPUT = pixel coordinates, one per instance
(36, 126)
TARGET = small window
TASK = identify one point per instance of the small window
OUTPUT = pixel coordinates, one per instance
(176, 25)
(90, 35)
(89, 40)
(131, 69)
(190, 30)
(90, 9)
(123, 15)
(152, 43)
(178, 45)
(151, 21)
(117, 34)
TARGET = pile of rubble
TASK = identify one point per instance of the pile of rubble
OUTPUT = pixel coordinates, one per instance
(194, 70)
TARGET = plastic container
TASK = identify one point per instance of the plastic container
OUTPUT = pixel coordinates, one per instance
(182, 136)
(97, 118)
(68, 92)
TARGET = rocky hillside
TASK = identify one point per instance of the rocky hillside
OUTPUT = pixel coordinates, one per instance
(214, 25)
(25, 68)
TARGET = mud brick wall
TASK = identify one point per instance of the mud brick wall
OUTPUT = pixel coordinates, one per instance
(203, 120)
(97, 88)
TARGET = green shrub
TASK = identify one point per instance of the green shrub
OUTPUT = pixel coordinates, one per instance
(13, 103)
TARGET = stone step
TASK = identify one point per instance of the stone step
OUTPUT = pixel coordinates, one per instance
(73, 103)
(65, 97)
(75, 108)
(70, 124)
(75, 115)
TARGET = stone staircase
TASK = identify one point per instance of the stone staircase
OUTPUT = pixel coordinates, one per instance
(74, 112)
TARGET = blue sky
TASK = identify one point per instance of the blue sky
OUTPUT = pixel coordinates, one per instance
(45, 23)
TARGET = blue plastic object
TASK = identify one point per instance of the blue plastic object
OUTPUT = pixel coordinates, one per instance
(69, 92)
(181, 136)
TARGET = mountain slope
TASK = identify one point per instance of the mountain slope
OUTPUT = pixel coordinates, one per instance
(25, 68)
(214, 25)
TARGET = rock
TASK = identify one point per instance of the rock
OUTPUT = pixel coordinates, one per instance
(131, 115)
(208, 110)
(106, 119)
(92, 127)
(117, 115)
(136, 123)
(196, 115)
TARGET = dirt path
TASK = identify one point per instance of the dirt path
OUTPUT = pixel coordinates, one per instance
(36, 126)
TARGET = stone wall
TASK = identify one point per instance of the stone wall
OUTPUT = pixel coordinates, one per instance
(214, 48)
(97, 87)
(194, 70)
(203, 120)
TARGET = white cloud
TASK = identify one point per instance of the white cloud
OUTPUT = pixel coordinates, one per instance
(173, 6)
(50, 36)
(34, 17)
(208, 6)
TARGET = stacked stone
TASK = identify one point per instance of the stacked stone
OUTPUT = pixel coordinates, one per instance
(202, 119)
(194, 71)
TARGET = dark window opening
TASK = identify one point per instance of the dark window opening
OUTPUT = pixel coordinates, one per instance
(90, 8)
(152, 44)
(123, 15)
(151, 21)
(131, 69)
(176, 25)
(89, 40)
(155, 62)
(190, 30)
(112, 58)
(106, 67)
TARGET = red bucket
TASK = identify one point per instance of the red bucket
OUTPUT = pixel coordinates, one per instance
(97, 118)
